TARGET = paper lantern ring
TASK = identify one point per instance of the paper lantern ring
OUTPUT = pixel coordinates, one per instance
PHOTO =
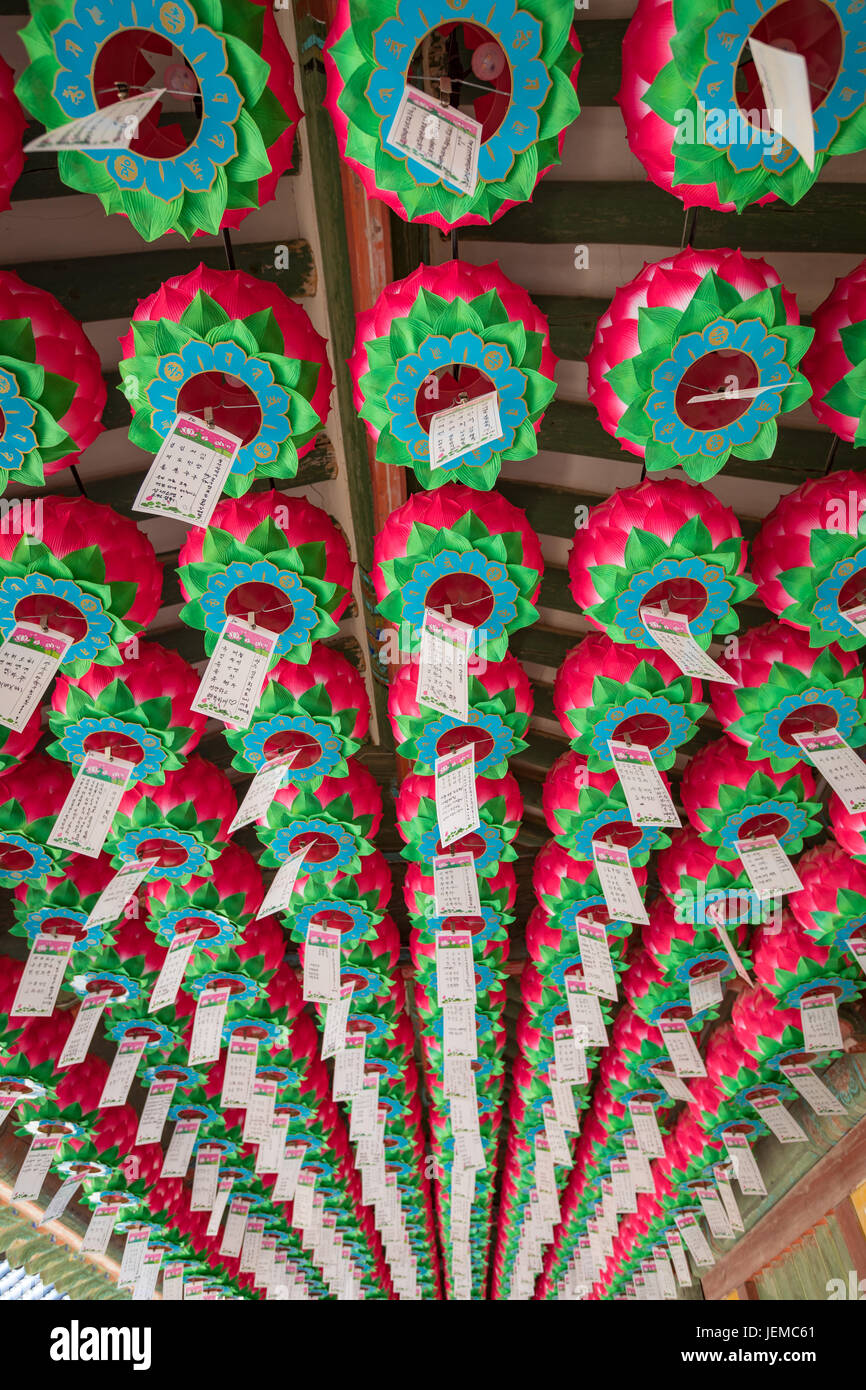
(833, 362)
(225, 342)
(728, 799)
(605, 690)
(700, 323)
(444, 335)
(500, 705)
(809, 558)
(240, 74)
(52, 393)
(374, 51)
(783, 687)
(483, 561)
(705, 137)
(700, 572)
(275, 556)
(832, 903)
(139, 712)
(84, 569)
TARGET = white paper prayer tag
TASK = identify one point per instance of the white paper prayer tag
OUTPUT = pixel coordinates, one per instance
(42, 977)
(673, 634)
(279, 896)
(820, 1023)
(288, 1173)
(133, 1256)
(187, 476)
(455, 968)
(349, 1067)
(857, 948)
(179, 1151)
(455, 886)
(87, 813)
(322, 965)
(705, 992)
(116, 894)
(240, 1073)
(145, 1285)
(721, 1173)
(172, 970)
(80, 1035)
(443, 665)
(34, 1170)
(812, 1089)
(205, 1179)
(459, 1032)
(839, 765)
(61, 1199)
(262, 790)
(713, 1209)
(456, 799)
(563, 1100)
(29, 658)
(461, 428)
(207, 1027)
(235, 1227)
(856, 616)
(99, 1230)
(130, 1051)
(260, 1111)
(671, 1084)
(746, 1170)
(769, 870)
(623, 1187)
(595, 958)
(224, 1188)
(646, 1128)
(621, 894)
(439, 138)
(570, 1057)
(681, 1047)
(689, 1228)
(154, 1112)
(110, 128)
(584, 1010)
(458, 1078)
(649, 801)
(336, 1019)
(779, 1121)
(172, 1282)
(559, 1148)
(678, 1259)
(784, 79)
(231, 686)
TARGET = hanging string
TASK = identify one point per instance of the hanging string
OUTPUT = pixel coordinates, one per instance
(229, 249)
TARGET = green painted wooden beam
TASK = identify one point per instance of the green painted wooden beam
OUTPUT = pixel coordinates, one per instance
(829, 218)
(570, 427)
(600, 70)
(572, 322)
(109, 287)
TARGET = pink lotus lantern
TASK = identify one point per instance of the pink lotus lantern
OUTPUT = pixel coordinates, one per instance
(655, 543)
